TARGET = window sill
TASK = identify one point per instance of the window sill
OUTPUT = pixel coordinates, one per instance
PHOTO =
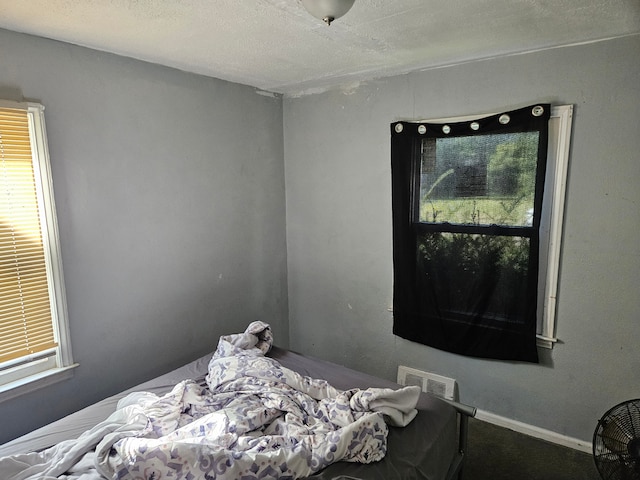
(35, 382)
(545, 342)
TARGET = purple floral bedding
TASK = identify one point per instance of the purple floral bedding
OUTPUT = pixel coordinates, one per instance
(251, 419)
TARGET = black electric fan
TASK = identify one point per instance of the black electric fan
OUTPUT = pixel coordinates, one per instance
(616, 442)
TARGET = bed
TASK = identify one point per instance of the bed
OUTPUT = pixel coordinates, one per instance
(428, 441)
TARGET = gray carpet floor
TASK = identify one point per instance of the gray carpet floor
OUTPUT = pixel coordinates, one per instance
(497, 453)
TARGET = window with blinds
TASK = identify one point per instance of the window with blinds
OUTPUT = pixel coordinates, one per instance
(33, 333)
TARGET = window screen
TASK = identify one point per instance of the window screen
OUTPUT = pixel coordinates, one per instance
(481, 180)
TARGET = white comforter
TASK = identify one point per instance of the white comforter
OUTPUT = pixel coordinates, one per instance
(253, 420)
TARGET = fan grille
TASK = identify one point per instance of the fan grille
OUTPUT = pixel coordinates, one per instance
(616, 442)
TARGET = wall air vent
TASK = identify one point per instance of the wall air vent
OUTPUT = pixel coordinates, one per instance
(432, 383)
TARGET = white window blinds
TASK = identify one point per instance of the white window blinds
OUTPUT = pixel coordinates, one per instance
(26, 325)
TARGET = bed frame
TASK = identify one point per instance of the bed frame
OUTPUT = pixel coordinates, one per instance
(464, 412)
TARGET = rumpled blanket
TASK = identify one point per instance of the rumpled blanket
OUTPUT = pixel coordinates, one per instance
(254, 419)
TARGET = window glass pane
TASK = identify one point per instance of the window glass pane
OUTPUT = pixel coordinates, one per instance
(34, 336)
(26, 325)
(470, 277)
(479, 180)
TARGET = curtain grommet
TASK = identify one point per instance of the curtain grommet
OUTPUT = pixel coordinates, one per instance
(537, 111)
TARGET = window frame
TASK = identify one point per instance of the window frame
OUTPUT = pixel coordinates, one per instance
(32, 372)
(552, 221)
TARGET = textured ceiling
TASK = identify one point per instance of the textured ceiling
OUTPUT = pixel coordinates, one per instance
(275, 45)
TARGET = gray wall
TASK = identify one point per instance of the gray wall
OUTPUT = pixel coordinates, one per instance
(337, 167)
(170, 196)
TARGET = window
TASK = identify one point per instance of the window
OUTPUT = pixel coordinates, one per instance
(476, 243)
(34, 338)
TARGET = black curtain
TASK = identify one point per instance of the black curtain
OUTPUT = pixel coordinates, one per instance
(468, 282)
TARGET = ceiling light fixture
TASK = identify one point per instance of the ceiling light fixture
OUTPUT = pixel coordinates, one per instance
(327, 10)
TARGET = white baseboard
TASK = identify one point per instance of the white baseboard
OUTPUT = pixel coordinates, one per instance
(533, 431)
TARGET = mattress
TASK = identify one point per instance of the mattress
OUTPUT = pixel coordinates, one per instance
(423, 450)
